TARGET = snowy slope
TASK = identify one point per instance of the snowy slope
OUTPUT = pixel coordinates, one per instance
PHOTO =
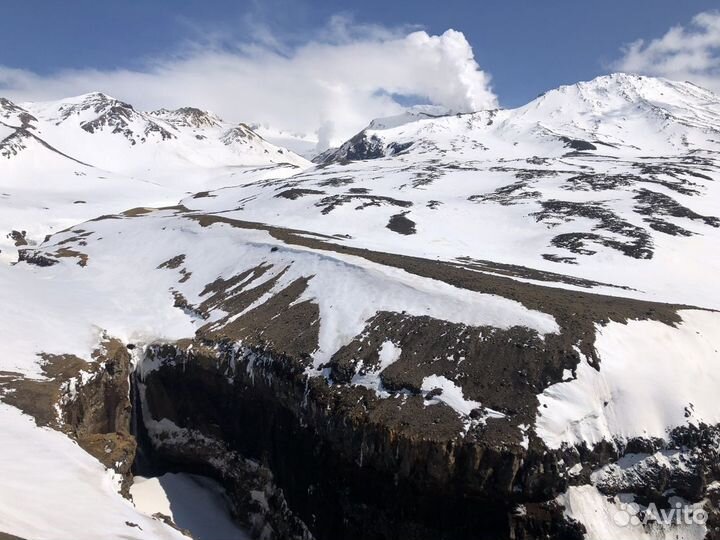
(110, 134)
(588, 180)
(67, 161)
(511, 268)
(52, 489)
(619, 114)
(113, 273)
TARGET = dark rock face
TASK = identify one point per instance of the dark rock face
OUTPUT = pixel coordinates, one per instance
(361, 147)
(100, 415)
(303, 459)
(18, 237)
(343, 466)
(358, 148)
(14, 143)
(578, 144)
(401, 224)
(296, 193)
(544, 520)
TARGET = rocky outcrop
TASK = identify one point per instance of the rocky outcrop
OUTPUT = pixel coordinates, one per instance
(88, 401)
(99, 414)
(347, 464)
(362, 146)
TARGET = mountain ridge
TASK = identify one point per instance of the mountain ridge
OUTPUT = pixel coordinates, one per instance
(592, 105)
(502, 324)
(186, 132)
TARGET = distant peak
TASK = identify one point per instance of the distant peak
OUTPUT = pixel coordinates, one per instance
(239, 133)
(95, 102)
(188, 117)
(9, 110)
(191, 111)
(95, 97)
(638, 85)
(626, 92)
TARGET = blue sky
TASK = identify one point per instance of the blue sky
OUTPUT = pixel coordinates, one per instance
(527, 46)
(326, 68)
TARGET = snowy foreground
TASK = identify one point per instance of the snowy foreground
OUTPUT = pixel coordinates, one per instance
(574, 241)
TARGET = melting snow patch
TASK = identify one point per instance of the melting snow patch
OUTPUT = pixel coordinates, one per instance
(452, 395)
(389, 354)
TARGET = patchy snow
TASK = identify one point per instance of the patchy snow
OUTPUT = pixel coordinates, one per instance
(472, 186)
(109, 295)
(349, 290)
(389, 353)
(652, 378)
(452, 395)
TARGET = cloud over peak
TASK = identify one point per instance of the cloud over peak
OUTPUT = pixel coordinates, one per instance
(331, 85)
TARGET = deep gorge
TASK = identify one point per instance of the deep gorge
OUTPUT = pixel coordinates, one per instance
(300, 458)
(298, 463)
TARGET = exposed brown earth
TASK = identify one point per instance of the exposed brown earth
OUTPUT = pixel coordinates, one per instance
(97, 414)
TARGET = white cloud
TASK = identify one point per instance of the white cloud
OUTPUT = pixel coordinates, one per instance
(690, 53)
(331, 85)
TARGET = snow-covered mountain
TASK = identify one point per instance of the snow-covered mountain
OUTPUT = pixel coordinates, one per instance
(66, 161)
(589, 181)
(617, 114)
(109, 134)
(492, 325)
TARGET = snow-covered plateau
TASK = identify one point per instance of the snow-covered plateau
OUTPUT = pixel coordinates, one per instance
(501, 324)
